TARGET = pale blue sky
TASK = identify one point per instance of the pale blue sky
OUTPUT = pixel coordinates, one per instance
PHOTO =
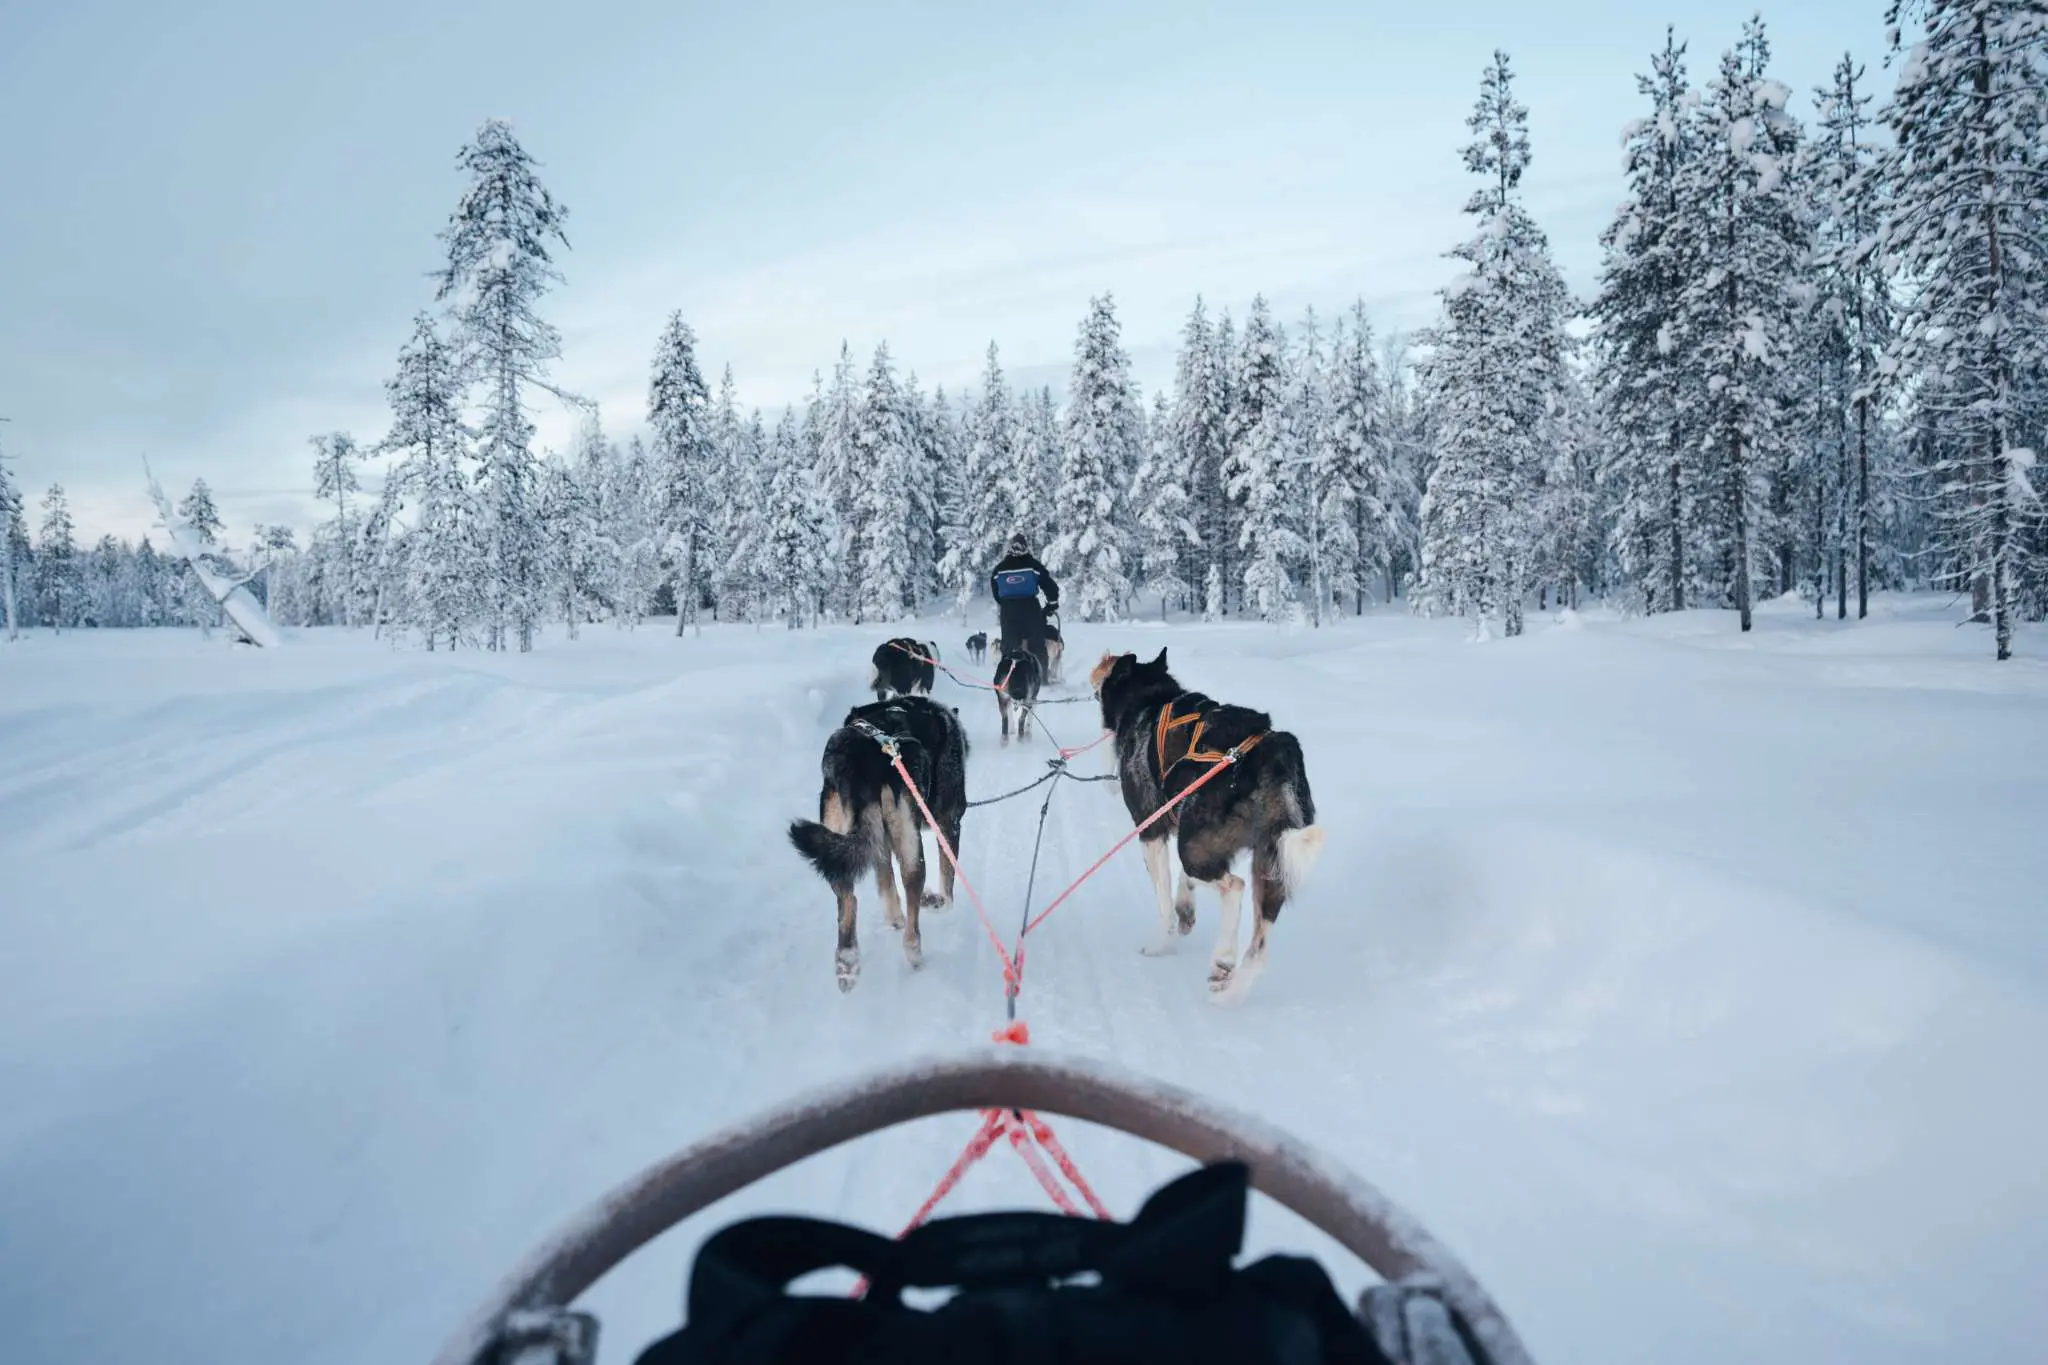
(217, 217)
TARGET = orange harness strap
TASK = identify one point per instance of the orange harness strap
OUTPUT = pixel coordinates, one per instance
(1169, 722)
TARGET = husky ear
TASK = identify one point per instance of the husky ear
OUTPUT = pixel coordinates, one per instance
(1160, 662)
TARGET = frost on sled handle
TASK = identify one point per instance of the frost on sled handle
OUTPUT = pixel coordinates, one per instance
(526, 1305)
(232, 594)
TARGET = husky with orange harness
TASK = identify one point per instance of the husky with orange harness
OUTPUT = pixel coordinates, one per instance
(1166, 738)
(866, 817)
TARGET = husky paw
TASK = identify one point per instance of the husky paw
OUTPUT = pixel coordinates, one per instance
(1160, 947)
(1221, 973)
(913, 953)
(1184, 917)
(893, 917)
(1235, 984)
(848, 968)
(934, 901)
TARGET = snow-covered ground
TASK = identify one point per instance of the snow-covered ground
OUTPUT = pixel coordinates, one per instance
(1693, 987)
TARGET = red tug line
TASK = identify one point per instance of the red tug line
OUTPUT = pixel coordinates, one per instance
(1029, 1134)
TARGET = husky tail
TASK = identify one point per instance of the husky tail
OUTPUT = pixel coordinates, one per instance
(839, 858)
(1299, 849)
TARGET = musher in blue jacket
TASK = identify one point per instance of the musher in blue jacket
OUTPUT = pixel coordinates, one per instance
(1017, 583)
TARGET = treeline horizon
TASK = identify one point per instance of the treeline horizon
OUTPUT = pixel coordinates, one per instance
(1816, 362)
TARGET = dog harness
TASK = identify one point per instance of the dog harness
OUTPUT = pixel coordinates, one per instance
(1169, 722)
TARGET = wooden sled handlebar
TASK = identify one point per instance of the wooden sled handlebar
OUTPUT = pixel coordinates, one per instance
(1347, 1208)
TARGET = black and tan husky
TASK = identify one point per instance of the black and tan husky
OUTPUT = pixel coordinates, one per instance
(1017, 681)
(1166, 738)
(903, 668)
(866, 817)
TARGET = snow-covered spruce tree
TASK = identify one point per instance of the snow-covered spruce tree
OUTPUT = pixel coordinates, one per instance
(1260, 488)
(13, 538)
(59, 576)
(164, 582)
(796, 552)
(882, 495)
(1410, 454)
(1743, 237)
(1640, 379)
(1254, 441)
(1310, 462)
(1046, 417)
(1097, 444)
(1964, 226)
(335, 457)
(1223, 366)
(441, 568)
(634, 509)
(946, 450)
(1857, 290)
(198, 509)
(1359, 507)
(603, 481)
(380, 553)
(921, 511)
(678, 412)
(1492, 380)
(1568, 507)
(1033, 469)
(1201, 407)
(100, 586)
(987, 489)
(715, 553)
(277, 554)
(832, 428)
(1808, 492)
(745, 534)
(1159, 500)
(576, 540)
(499, 267)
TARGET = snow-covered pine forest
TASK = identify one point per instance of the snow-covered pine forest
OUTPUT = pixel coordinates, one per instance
(1816, 363)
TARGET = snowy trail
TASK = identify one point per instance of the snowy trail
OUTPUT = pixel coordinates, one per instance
(1687, 987)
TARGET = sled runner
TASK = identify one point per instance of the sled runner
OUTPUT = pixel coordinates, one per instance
(1163, 1277)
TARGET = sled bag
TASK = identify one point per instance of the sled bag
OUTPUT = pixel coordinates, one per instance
(1012, 584)
(1029, 1287)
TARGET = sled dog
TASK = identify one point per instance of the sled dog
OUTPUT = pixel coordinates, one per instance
(1055, 652)
(1166, 738)
(902, 668)
(1017, 677)
(866, 817)
(977, 646)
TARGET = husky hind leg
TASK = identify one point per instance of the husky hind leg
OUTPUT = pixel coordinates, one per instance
(1156, 866)
(906, 841)
(1276, 874)
(885, 873)
(840, 853)
(1223, 959)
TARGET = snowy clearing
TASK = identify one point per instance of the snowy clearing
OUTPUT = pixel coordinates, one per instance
(1692, 987)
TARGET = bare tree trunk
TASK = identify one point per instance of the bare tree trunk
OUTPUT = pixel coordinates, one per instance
(1739, 498)
(1863, 501)
(1677, 532)
(2000, 377)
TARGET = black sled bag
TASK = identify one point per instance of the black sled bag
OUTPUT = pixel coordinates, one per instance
(1029, 1288)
